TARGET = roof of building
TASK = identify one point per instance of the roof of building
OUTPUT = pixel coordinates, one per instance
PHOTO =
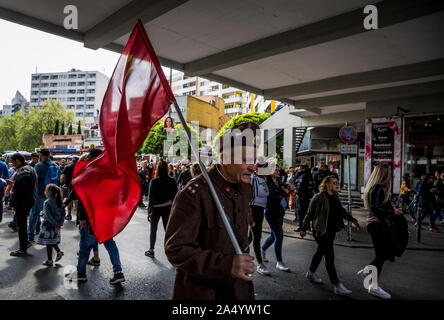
(316, 55)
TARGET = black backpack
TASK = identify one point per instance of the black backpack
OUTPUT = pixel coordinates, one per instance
(399, 234)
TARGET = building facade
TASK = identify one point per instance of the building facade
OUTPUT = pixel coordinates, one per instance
(79, 91)
(236, 101)
(17, 103)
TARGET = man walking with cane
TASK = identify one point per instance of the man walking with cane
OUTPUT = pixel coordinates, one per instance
(196, 242)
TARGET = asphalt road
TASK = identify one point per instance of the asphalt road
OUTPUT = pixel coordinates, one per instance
(416, 275)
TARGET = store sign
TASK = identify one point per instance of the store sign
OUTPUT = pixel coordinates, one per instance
(383, 146)
(349, 148)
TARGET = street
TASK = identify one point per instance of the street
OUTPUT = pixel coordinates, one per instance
(417, 275)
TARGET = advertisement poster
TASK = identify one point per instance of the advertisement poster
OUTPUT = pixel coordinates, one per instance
(383, 146)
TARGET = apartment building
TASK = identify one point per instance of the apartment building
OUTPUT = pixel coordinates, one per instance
(79, 91)
(236, 101)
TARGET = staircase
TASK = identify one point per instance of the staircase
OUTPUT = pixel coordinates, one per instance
(357, 201)
(298, 137)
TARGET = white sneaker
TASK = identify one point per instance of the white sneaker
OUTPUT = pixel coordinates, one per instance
(281, 266)
(313, 278)
(379, 292)
(341, 290)
(262, 269)
(362, 274)
(264, 257)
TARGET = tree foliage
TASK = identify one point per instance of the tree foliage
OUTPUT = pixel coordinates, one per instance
(79, 129)
(24, 131)
(62, 130)
(255, 117)
(69, 129)
(154, 142)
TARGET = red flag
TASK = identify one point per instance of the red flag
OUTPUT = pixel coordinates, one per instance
(137, 96)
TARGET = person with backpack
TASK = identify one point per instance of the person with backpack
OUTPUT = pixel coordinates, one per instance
(47, 172)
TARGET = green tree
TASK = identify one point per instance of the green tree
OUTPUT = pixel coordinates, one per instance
(79, 129)
(255, 117)
(62, 130)
(56, 129)
(70, 129)
(8, 139)
(25, 131)
(154, 142)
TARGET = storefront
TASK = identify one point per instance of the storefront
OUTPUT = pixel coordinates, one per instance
(423, 144)
(410, 144)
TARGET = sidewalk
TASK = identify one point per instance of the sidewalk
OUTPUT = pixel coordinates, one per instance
(361, 239)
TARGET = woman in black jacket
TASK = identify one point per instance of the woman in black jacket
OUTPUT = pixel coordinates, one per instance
(377, 198)
(161, 193)
(274, 214)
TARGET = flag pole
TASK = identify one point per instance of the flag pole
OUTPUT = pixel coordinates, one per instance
(221, 210)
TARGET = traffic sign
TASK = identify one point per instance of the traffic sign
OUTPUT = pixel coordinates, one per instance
(349, 148)
(348, 134)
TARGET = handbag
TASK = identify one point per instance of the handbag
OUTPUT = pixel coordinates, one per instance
(284, 203)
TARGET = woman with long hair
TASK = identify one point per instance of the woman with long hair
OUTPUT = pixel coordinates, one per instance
(377, 195)
(327, 214)
(274, 214)
(161, 193)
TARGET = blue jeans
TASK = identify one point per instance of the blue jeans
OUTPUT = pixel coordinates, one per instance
(87, 242)
(276, 236)
(427, 210)
(34, 217)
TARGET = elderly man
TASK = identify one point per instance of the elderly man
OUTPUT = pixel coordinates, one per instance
(196, 242)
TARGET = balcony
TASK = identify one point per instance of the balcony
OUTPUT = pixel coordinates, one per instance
(237, 99)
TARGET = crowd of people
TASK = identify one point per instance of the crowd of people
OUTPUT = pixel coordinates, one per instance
(207, 267)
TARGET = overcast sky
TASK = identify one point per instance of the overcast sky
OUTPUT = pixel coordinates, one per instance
(23, 50)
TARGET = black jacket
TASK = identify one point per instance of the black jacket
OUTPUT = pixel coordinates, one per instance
(184, 177)
(276, 193)
(25, 187)
(318, 176)
(161, 190)
(144, 176)
(379, 208)
(303, 185)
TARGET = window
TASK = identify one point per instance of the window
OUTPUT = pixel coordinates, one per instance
(63, 84)
(70, 106)
(80, 106)
(54, 77)
(90, 114)
(71, 84)
(53, 92)
(91, 83)
(81, 83)
(81, 91)
(44, 92)
(44, 77)
(35, 85)
(91, 75)
(79, 76)
(53, 84)
(42, 85)
(91, 91)
(90, 106)
(63, 76)
(71, 99)
(71, 91)
(34, 92)
(72, 76)
(79, 114)
(34, 100)
(80, 99)
(90, 99)
(62, 91)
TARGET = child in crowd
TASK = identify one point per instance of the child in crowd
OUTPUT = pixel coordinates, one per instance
(53, 217)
